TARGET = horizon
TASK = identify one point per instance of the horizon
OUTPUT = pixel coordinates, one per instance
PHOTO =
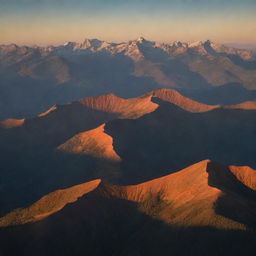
(232, 44)
(45, 22)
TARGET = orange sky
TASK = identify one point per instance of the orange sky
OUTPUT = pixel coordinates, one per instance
(28, 22)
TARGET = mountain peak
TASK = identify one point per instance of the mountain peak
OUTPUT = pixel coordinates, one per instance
(69, 44)
(179, 44)
(141, 39)
(208, 42)
(94, 143)
(91, 43)
(195, 44)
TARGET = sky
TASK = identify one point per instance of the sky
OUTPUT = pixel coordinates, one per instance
(53, 22)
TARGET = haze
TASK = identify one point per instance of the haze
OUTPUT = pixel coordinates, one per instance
(45, 22)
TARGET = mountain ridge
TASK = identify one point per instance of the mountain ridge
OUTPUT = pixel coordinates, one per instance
(56, 75)
(96, 44)
(135, 107)
(119, 140)
(195, 185)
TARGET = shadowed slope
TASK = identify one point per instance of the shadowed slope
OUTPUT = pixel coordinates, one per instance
(60, 123)
(48, 204)
(204, 194)
(237, 201)
(174, 97)
(228, 94)
(225, 135)
(245, 174)
(182, 213)
(153, 137)
(33, 145)
(183, 102)
(188, 197)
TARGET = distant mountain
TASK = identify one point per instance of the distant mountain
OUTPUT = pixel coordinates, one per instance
(206, 209)
(123, 141)
(232, 93)
(32, 79)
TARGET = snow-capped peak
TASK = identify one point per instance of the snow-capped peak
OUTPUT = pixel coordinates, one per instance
(140, 39)
(91, 43)
(195, 44)
(179, 44)
(69, 44)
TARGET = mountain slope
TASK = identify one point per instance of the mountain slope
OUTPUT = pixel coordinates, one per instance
(245, 105)
(124, 141)
(126, 108)
(190, 195)
(94, 142)
(64, 121)
(185, 103)
(182, 137)
(34, 145)
(184, 208)
(10, 123)
(48, 204)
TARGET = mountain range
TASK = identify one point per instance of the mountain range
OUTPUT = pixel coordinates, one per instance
(123, 141)
(127, 149)
(32, 79)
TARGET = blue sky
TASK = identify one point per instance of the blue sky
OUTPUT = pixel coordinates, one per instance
(57, 21)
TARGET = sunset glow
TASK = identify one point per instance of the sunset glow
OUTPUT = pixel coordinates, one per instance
(54, 22)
